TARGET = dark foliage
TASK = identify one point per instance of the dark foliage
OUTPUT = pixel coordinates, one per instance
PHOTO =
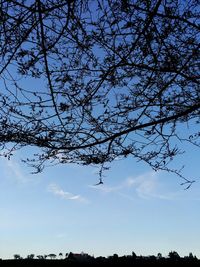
(115, 260)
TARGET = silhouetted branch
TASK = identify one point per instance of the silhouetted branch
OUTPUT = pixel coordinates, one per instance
(107, 79)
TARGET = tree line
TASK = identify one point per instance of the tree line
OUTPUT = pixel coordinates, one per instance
(84, 257)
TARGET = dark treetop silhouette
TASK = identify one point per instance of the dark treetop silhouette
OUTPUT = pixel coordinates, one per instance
(84, 259)
(110, 79)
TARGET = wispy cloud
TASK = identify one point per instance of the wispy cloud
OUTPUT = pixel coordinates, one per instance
(150, 185)
(57, 191)
(13, 170)
(144, 186)
(60, 235)
(106, 188)
(143, 183)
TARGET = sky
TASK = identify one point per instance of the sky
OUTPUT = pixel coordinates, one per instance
(136, 209)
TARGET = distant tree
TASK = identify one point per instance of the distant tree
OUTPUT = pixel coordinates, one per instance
(115, 256)
(17, 257)
(151, 258)
(173, 255)
(70, 256)
(60, 255)
(159, 256)
(52, 256)
(31, 256)
(40, 257)
(107, 79)
(66, 255)
(134, 256)
(191, 256)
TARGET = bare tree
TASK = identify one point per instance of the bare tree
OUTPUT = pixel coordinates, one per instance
(91, 81)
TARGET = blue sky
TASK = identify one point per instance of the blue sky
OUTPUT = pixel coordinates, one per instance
(136, 209)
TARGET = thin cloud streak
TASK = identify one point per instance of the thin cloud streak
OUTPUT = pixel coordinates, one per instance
(60, 235)
(149, 186)
(105, 188)
(145, 186)
(142, 183)
(14, 170)
(57, 191)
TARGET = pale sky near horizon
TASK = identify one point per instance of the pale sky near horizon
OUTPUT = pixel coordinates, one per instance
(136, 209)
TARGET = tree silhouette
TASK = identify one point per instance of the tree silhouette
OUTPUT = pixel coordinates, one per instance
(31, 256)
(60, 255)
(173, 255)
(41, 257)
(159, 255)
(66, 255)
(84, 259)
(17, 257)
(191, 256)
(107, 79)
(52, 256)
(134, 256)
(70, 256)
